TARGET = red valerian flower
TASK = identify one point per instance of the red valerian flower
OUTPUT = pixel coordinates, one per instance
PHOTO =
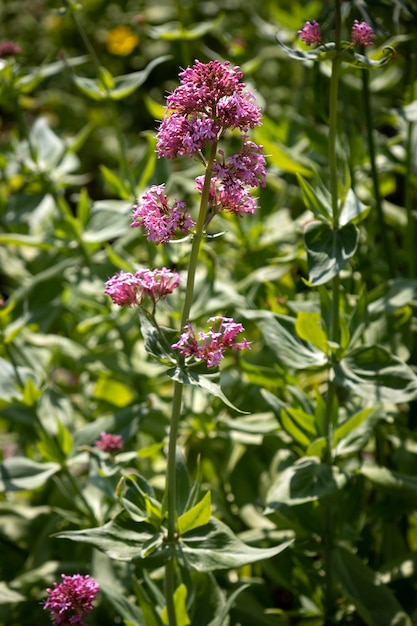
(209, 346)
(109, 443)
(211, 98)
(159, 219)
(362, 33)
(126, 289)
(310, 33)
(71, 600)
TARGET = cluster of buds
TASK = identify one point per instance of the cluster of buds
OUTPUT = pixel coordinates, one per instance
(361, 34)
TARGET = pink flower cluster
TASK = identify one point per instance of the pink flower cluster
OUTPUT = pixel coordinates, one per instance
(209, 99)
(233, 177)
(310, 33)
(362, 34)
(109, 443)
(160, 220)
(71, 600)
(209, 346)
(126, 289)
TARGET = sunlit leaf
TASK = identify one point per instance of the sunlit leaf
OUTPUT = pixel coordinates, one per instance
(328, 250)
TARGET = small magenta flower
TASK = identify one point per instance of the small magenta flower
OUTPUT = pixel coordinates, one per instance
(109, 443)
(9, 49)
(210, 99)
(310, 33)
(362, 34)
(123, 289)
(126, 289)
(160, 220)
(209, 346)
(71, 600)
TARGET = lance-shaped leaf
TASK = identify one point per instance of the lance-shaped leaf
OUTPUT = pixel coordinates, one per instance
(328, 249)
(20, 473)
(139, 499)
(353, 210)
(188, 376)
(393, 482)
(124, 539)
(305, 481)
(214, 546)
(377, 375)
(326, 51)
(176, 32)
(197, 516)
(115, 88)
(156, 339)
(180, 603)
(280, 336)
(354, 59)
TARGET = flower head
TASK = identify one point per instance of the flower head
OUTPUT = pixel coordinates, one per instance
(126, 289)
(209, 346)
(71, 600)
(210, 98)
(9, 49)
(362, 34)
(109, 443)
(310, 33)
(160, 220)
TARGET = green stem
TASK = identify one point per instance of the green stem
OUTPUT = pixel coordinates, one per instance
(177, 396)
(386, 243)
(335, 321)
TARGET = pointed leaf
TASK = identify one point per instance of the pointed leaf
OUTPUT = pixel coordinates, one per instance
(318, 201)
(353, 210)
(393, 482)
(377, 375)
(214, 546)
(306, 480)
(197, 516)
(308, 327)
(187, 376)
(180, 602)
(20, 473)
(328, 249)
(126, 85)
(280, 336)
(123, 539)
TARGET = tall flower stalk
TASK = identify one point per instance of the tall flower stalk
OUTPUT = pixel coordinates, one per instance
(210, 99)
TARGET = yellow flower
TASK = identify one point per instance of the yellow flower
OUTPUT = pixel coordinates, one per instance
(121, 40)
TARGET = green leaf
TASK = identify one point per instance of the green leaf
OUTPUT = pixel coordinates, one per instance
(20, 473)
(354, 59)
(377, 375)
(155, 339)
(318, 200)
(393, 482)
(306, 480)
(109, 220)
(321, 52)
(183, 488)
(281, 337)
(375, 603)
(137, 497)
(124, 539)
(353, 210)
(188, 376)
(126, 85)
(9, 596)
(328, 249)
(220, 618)
(31, 80)
(116, 184)
(299, 425)
(174, 31)
(148, 607)
(350, 424)
(214, 546)
(197, 516)
(180, 602)
(308, 327)
(91, 87)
